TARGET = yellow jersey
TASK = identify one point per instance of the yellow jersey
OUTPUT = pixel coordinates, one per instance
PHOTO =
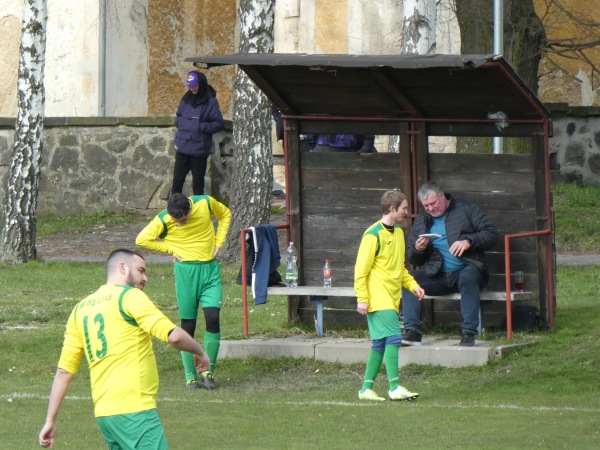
(379, 272)
(114, 327)
(193, 241)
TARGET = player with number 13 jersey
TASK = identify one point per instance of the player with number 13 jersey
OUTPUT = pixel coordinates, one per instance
(118, 348)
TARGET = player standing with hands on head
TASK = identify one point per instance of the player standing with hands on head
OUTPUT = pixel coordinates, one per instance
(113, 327)
(186, 231)
(379, 276)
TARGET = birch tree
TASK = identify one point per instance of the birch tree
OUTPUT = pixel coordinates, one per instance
(252, 176)
(418, 27)
(418, 37)
(17, 235)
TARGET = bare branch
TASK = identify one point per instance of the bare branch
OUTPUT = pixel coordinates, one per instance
(573, 48)
(562, 69)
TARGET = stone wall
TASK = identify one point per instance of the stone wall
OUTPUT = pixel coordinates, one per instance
(110, 164)
(575, 147)
(126, 164)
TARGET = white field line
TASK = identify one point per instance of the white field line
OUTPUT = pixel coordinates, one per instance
(418, 404)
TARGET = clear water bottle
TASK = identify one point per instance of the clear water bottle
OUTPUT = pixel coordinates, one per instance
(327, 274)
(291, 266)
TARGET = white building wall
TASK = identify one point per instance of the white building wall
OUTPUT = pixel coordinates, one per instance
(11, 16)
(127, 58)
(72, 71)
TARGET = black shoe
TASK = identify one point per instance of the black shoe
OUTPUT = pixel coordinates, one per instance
(410, 337)
(467, 340)
(208, 381)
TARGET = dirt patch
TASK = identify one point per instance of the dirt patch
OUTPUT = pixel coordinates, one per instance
(94, 244)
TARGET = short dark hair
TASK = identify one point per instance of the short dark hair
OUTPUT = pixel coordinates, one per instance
(178, 206)
(391, 198)
(120, 253)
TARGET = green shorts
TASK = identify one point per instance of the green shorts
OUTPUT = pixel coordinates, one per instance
(383, 324)
(141, 430)
(197, 283)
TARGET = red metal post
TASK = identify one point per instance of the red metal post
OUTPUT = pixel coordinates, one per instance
(549, 300)
(244, 281)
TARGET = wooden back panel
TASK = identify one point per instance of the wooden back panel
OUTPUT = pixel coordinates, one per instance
(340, 195)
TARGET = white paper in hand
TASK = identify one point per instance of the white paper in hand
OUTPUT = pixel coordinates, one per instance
(430, 235)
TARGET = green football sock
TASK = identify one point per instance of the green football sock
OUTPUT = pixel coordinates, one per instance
(212, 342)
(373, 365)
(188, 366)
(391, 365)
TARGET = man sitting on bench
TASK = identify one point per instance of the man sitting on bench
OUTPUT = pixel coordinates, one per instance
(447, 242)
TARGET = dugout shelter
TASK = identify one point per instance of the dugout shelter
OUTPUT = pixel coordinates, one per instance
(332, 197)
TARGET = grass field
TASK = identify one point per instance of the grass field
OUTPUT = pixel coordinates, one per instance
(546, 395)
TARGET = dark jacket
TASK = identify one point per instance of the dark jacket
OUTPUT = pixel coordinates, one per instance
(345, 142)
(463, 220)
(266, 261)
(197, 119)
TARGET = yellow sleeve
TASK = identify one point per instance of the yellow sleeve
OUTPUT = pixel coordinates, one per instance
(408, 282)
(223, 214)
(72, 350)
(148, 237)
(136, 304)
(362, 268)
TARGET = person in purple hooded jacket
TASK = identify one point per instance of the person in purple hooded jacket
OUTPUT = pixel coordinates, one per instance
(198, 117)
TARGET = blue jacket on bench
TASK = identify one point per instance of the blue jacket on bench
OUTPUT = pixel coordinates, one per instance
(267, 260)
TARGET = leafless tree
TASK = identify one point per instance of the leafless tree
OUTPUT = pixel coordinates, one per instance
(17, 235)
(525, 34)
(570, 47)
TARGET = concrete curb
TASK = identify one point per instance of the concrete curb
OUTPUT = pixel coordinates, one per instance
(434, 351)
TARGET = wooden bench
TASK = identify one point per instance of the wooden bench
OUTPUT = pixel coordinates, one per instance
(314, 293)
(487, 297)
(319, 294)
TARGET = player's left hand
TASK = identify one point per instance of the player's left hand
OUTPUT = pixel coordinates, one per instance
(419, 292)
(216, 251)
(46, 438)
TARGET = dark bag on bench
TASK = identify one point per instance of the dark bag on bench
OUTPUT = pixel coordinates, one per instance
(525, 318)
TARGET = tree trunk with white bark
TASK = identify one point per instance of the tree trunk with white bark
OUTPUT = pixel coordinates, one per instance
(17, 235)
(419, 27)
(418, 37)
(252, 176)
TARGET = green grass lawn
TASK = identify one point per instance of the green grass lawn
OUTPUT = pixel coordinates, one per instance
(545, 395)
(577, 210)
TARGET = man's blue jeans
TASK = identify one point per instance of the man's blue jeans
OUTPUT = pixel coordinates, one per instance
(469, 281)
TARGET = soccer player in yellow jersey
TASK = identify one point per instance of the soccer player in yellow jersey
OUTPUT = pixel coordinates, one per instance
(186, 231)
(113, 327)
(379, 275)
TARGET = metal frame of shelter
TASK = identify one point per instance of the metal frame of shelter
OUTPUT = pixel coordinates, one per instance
(415, 97)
